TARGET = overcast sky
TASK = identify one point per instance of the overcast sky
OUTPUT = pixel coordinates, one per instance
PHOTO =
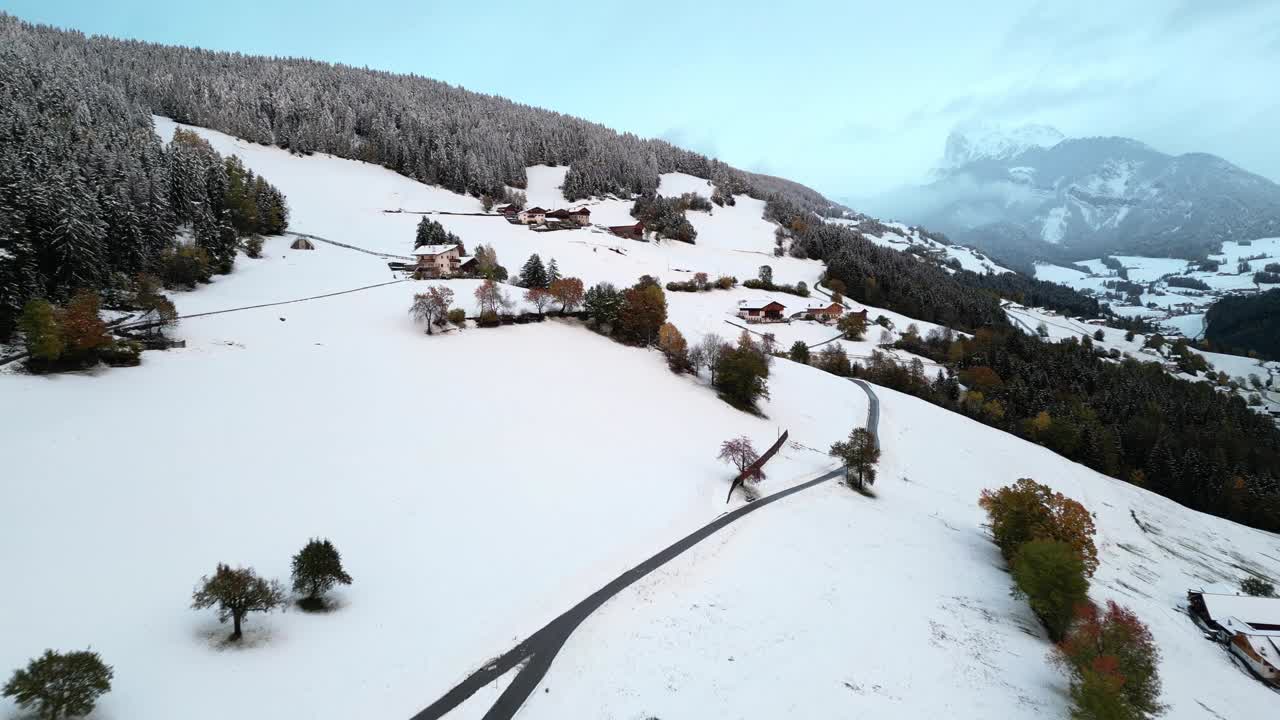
(848, 97)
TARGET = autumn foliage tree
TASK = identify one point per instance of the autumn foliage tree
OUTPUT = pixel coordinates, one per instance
(490, 298)
(1028, 510)
(675, 348)
(81, 324)
(568, 292)
(538, 297)
(1113, 661)
(432, 307)
(236, 593)
(643, 311)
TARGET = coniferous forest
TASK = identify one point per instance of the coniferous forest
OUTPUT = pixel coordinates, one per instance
(90, 196)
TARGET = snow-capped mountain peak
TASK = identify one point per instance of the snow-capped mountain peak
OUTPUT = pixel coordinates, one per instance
(979, 141)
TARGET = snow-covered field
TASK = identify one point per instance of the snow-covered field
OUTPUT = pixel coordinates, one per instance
(477, 483)
(480, 482)
(840, 606)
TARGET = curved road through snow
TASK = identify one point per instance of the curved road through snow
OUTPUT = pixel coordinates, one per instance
(538, 650)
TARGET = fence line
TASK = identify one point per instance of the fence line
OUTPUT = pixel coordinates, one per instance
(366, 251)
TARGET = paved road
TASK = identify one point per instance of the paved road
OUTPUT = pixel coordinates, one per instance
(539, 649)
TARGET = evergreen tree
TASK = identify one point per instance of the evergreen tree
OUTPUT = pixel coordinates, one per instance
(316, 569)
(859, 453)
(602, 303)
(553, 272)
(60, 685)
(533, 274)
(799, 352)
(741, 374)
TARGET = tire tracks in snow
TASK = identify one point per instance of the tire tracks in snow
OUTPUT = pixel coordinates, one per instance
(535, 653)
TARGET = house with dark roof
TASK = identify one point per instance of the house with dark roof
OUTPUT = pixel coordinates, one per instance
(581, 216)
(630, 232)
(533, 216)
(770, 311)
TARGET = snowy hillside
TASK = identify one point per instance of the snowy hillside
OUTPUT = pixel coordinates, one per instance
(899, 236)
(481, 481)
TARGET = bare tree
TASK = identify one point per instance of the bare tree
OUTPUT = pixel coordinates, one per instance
(491, 298)
(711, 346)
(538, 297)
(432, 306)
(237, 593)
(741, 454)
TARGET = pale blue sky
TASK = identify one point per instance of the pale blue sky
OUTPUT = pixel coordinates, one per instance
(850, 97)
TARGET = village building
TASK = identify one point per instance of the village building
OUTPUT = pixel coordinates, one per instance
(823, 312)
(1248, 625)
(533, 216)
(581, 216)
(440, 260)
(761, 312)
(630, 232)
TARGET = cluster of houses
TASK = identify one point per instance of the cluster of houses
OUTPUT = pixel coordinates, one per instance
(542, 220)
(1249, 626)
(774, 311)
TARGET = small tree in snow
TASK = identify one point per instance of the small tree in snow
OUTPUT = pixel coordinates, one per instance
(568, 292)
(538, 297)
(740, 453)
(236, 592)
(859, 454)
(673, 346)
(490, 298)
(60, 685)
(711, 347)
(316, 569)
(432, 306)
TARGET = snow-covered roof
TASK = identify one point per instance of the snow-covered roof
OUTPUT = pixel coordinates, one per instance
(536, 211)
(433, 249)
(1246, 608)
(749, 305)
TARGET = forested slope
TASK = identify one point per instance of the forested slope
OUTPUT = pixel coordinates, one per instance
(1244, 323)
(89, 196)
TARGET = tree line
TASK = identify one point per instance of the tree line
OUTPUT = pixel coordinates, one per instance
(424, 129)
(90, 196)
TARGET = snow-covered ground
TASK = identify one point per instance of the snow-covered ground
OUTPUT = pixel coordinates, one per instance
(481, 481)
(836, 605)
